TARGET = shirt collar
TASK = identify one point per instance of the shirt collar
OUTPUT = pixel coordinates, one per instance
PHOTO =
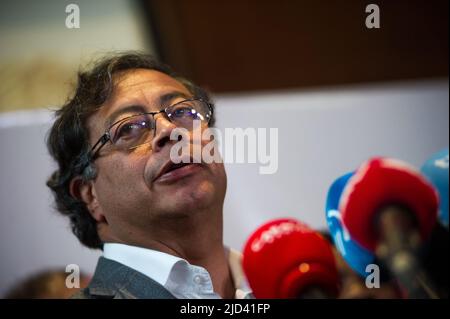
(159, 266)
(152, 263)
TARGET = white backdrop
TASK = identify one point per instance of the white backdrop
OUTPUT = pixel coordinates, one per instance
(322, 134)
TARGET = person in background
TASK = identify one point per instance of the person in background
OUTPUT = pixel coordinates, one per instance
(48, 284)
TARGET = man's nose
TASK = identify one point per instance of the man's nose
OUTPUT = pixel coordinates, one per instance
(163, 129)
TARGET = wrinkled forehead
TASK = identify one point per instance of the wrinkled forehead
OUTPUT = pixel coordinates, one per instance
(141, 87)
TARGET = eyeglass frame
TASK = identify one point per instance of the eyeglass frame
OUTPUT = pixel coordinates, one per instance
(106, 137)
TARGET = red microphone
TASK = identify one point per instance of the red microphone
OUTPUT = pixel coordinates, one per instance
(284, 258)
(389, 208)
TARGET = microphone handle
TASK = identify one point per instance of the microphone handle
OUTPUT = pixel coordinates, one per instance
(399, 244)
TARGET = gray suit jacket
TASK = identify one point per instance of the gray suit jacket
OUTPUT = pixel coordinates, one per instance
(112, 280)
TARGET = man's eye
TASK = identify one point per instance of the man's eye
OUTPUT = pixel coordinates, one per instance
(131, 130)
(183, 111)
(186, 111)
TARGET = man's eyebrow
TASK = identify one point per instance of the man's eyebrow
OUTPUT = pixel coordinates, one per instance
(128, 109)
(163, 100)
(166, 98)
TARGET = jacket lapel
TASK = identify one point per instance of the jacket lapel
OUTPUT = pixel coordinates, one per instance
(114, 280)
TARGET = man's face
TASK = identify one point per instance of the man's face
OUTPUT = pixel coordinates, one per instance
(128, 193)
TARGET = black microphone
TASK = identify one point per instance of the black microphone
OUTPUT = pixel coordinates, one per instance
(390, 209)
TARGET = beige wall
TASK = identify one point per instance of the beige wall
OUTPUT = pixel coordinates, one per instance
(39, 55)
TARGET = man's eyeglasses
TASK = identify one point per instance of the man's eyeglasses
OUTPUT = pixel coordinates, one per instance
(133, 131)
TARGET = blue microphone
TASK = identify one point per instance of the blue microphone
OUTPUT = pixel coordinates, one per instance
(436, 170)
(354, 254)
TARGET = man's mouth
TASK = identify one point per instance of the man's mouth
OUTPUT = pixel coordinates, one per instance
(171, 172)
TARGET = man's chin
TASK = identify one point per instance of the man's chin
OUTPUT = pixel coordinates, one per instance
(190, 196)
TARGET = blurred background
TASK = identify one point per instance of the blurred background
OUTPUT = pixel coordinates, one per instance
(337, 91)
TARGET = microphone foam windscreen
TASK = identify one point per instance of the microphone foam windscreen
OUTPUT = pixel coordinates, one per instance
(379, 182)
(284, 256)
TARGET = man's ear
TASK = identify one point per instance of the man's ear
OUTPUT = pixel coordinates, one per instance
(85, 191)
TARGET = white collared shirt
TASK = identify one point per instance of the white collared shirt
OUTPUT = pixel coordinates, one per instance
(179, 277)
